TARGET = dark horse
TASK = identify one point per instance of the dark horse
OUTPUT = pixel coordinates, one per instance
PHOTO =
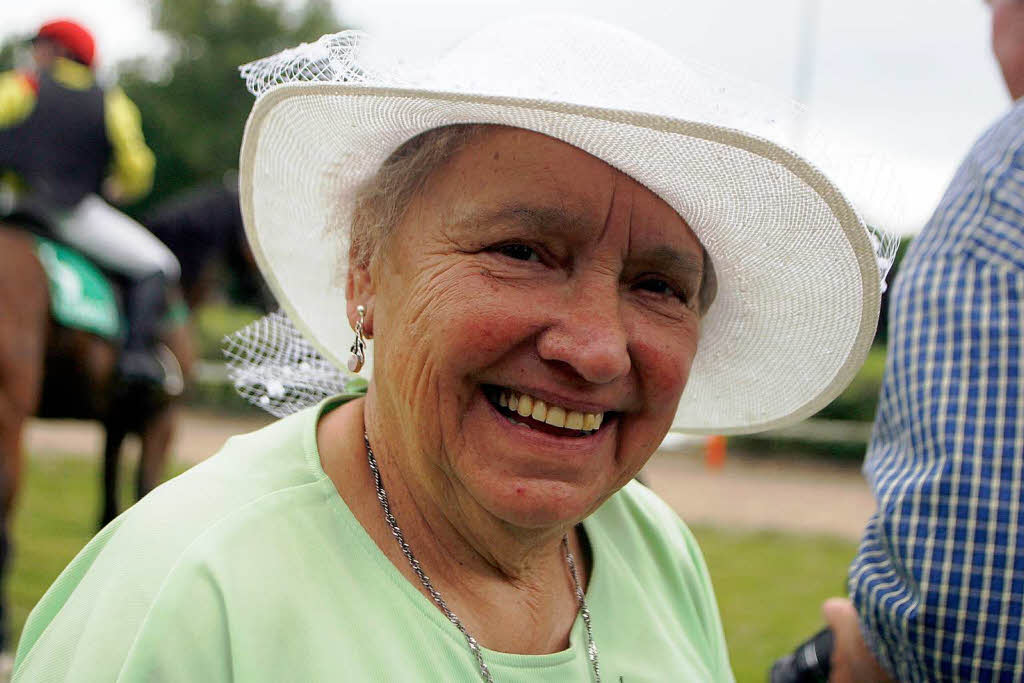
(203, 227)
(51, 371)
(48, 370)
(74, 376)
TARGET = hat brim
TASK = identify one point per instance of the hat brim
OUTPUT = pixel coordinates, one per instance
(798, 284)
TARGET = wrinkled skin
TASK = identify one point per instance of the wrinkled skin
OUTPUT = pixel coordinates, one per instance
(529, 264)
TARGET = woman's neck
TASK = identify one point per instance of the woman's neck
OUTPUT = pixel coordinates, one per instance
(511, 588)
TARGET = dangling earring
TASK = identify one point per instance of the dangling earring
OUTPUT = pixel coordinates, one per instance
(358, 357)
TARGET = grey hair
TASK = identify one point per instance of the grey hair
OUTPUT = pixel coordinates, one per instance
(381, 202)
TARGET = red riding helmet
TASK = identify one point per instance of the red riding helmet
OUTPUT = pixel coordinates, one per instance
(74, 37)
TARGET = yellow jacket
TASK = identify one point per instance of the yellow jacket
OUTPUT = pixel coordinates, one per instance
(132, 162)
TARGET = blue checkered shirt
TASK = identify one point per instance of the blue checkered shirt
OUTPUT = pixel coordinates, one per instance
(938, 580)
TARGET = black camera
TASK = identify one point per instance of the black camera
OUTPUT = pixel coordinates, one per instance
(810, 662)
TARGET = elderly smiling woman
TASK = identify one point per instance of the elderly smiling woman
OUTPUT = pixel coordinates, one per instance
(532, 233)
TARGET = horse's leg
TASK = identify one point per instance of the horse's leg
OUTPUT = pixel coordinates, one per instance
(24, 309)
(96, 360)
(115, 434)
(156, 447)
(158, 432)
(12, 421)
(180, 338)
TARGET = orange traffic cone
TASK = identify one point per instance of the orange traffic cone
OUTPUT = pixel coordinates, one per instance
(714, 454)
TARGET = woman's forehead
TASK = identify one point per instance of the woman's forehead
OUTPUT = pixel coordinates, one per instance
(511, 175)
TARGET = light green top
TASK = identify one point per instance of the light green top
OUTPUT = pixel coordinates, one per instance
(250, 567)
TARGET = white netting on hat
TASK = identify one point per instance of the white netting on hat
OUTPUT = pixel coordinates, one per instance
(886, 244)
(345, 57)
(274, 367)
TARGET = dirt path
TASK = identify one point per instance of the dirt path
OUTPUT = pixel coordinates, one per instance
(773, 492)
(748, 493)
(199, 436)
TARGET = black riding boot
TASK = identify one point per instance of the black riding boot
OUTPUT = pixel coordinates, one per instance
(145, 302)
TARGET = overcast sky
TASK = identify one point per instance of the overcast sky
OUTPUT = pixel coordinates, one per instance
(912, 78)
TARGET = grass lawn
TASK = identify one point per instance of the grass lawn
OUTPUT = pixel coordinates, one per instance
(769, 586)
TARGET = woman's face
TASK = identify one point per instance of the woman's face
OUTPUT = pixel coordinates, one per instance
(527, 268)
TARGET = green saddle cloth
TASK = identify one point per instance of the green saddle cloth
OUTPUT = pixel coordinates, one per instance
(81, 296)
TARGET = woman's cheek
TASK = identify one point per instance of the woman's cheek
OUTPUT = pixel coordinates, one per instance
(489, 319)
(663, 359)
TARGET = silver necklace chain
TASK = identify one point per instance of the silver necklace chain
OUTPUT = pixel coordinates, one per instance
(474, 647)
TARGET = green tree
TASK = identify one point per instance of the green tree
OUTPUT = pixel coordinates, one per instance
(194, 106)
(9, 48)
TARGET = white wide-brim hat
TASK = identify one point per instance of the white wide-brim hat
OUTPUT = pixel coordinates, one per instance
(798, 271)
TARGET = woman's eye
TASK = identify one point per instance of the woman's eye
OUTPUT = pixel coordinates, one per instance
(520, 252)
(657, 286)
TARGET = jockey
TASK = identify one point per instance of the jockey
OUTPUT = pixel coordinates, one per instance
(66, 141)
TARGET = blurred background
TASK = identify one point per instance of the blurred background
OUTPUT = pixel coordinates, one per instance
(911, 81)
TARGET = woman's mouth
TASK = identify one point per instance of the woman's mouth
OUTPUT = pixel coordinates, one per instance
(521, 408)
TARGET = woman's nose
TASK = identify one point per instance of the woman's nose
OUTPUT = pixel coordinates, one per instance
(589, 335)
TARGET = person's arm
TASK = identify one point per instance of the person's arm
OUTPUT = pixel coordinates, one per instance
(17, 98)
(101, 635)
(690, 570)
(852, 660)
(709, 609)
(185, 636)
(937, 580)
(131, 171)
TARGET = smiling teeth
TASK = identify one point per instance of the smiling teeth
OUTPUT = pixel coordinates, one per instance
(556, 416)
(525, 406)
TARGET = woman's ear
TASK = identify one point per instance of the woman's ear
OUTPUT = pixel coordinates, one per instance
(360, 291)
